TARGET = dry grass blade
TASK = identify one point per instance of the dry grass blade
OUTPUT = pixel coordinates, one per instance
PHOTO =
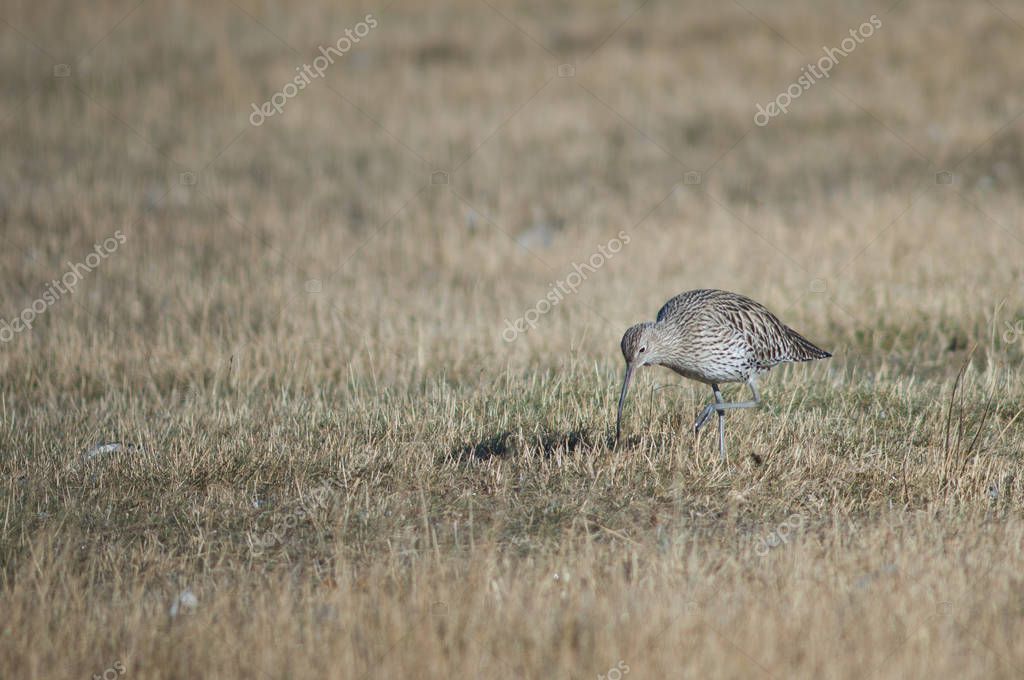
(956, 453)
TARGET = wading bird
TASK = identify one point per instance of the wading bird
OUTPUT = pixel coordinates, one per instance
(713, 336)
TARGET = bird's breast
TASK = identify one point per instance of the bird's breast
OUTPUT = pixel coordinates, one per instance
(728, 364)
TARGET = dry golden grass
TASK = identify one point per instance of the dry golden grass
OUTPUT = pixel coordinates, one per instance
(337, 454)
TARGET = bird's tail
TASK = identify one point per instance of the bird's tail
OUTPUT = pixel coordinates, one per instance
(802, 349)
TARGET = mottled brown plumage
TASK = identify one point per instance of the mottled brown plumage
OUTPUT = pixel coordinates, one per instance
(714, 336)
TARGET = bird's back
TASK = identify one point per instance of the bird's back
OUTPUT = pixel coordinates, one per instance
(731, 336)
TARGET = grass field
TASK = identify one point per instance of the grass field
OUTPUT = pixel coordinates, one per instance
(337, 461)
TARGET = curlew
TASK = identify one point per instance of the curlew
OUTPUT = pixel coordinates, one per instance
(714, 336)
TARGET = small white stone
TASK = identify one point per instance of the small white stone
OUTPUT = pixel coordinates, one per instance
(102, 449)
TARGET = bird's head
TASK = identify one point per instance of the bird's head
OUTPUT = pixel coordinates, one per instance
(639, 344)
(639, 348)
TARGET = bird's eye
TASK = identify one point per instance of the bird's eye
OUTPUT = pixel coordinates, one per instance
(642, 350)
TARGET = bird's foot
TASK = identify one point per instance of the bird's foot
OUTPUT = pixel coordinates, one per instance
(703, 417)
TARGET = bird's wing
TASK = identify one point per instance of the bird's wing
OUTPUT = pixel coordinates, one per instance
(765, 336)
(684, 300)
(666, 310)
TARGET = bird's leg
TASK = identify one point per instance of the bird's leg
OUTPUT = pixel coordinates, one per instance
(728, 405)
(706, 413)
(709, 409)
(721, 422)
(721, 406)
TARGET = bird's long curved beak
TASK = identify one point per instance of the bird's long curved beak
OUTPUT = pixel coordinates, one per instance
(622, 400)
